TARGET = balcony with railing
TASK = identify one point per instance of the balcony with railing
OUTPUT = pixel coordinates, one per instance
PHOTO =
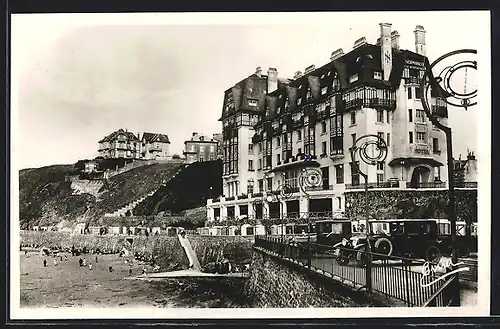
(380, 103)
(414, 185)
(439, 110)
(361, 185)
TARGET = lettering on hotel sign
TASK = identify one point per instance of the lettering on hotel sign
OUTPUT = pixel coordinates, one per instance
(422, 150)
(415, 65)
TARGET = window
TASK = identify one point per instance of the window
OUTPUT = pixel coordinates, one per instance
(250, 148)
(411, 137)
(252, 102)
(299, 101)
(299, 151)
(420, 137)
(377, 75)
(354, 173)
(260, 164)
(380, 116)
(278, 141)
(260, 147)
(269, 183)
(250, 187)
(417, 93)
(388, 140)
(299, 135)
(388, 117)
(201, 159)
(339, 174)
(278, 159)
(261, 185)
(380, 165)
(353, 78)
(324, 90)
(309, 94)
(410, 115)
(435, 146)
(380, 177)
(353, 118)
(420, 115)
(323, 127)
(250, 165)
(323, 148)
(380, 136)
(409, 93)
(353, 136)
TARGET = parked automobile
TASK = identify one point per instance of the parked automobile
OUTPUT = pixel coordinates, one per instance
(331, 231)
(408, 238)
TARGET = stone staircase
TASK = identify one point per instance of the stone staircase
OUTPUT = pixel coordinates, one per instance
(123, 210)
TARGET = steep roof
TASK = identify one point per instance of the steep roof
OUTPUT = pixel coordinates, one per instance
(114, 135)
(154, 137)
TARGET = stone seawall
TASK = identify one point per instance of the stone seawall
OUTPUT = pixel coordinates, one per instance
(276, 284)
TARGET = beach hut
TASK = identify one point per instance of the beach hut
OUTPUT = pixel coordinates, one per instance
(156, 230)
(95, 230)
(212, 230)
(205, 231)
(125, 230)
(274, 230)
(260, 229)
(79, 228)
(115, 230)
(231, 230)
(218, 231)
(36, 228)
(247, 229)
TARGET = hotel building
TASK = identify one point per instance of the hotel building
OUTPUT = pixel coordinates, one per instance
(271, 125)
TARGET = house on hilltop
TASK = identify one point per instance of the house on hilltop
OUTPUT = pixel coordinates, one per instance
(155, 146)
(120, 144)
(201, 148)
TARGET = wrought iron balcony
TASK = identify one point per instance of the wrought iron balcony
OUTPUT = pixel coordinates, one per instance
(440, 110)
(426, 185)
(359, 185)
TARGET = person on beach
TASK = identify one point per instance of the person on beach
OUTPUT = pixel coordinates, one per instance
(143, 270)
(26, 253)
(111, 269)
(84, 261)
(65, 257)
(130, 272)
(44, 263)
(96, 259)
(80, 262)
(90, 266)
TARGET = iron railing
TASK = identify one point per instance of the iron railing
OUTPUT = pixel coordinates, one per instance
(388, 184)
(399, 279)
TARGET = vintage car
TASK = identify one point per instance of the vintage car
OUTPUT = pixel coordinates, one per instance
(332, 231)
(408, 238)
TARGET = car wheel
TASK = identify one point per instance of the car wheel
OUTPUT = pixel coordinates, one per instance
(433, 254)
(384, 246)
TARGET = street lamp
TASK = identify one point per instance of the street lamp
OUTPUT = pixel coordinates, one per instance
(371, 149)
(441, 86)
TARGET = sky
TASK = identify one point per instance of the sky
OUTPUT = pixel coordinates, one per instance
(78, 77)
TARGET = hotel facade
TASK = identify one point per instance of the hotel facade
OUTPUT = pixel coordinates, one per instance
(271, 126)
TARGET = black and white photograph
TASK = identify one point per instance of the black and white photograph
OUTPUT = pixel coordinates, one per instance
(250, 165)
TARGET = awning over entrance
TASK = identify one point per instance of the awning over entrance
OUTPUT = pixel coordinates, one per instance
(415, 161)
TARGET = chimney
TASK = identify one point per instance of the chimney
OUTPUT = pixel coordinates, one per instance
(395, 40)
(272, 79)
(336, 54)
(258, 71)
(297, 75)
(194, 134)
(358, 43)
(419, 40)
(309, 69)
(386, 49)
(471, 156)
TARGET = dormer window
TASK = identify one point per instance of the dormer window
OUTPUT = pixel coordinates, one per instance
(280, 96)
(322, 76)
(309, 95)
(252, 102)
(353, 78)
(300, 87)
(299, 101)
(324, 90)
(377, 75)
(329, 72)
(358, 59)
(286, 104)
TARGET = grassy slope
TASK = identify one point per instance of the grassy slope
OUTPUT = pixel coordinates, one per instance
(45, 198)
